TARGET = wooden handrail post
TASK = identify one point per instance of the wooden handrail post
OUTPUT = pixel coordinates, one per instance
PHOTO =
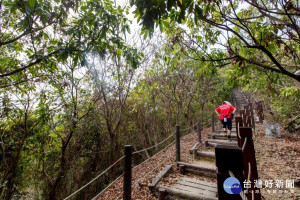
(177, 136)
(127, 172)
(212, 123)
(249, 157)
(199, 130)
(162, 194)
(252, 116)
(238, 124)
(229, 158)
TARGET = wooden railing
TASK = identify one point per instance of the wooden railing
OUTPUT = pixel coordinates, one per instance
(239, 161)
(257, 106)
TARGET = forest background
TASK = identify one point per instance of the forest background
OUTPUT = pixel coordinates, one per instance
(76, 84)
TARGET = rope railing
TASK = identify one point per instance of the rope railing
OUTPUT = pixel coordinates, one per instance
(189, 127)
(143, 177)
(98, 195)
(94, 179)
(154, 155)
(148, 148)
(149, 171)
(206, 126)
(119, 196)
(142, 150)
(139, 151)
(183, 136)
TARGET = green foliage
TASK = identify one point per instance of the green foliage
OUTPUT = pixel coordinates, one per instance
(46, 46)
(243, 33)
(254, 46)
(279, 93)
(55, 32)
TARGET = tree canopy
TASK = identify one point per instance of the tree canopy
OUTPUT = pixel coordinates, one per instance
(260, 34)
(37, 35)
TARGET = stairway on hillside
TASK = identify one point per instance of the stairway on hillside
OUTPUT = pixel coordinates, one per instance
(199, 175)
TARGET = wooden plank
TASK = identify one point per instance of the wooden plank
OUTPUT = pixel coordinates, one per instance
(221, 134)
(210, 144)
(216, 144)
(208, 154)
(185, 194)
(221, 142)
(232, 130)
(197, 185)
(201, 173)
(195, 190)
(198, 167)
(192, 180)
(161, 175)
(220, 137)
(194, 147)
(181, 169)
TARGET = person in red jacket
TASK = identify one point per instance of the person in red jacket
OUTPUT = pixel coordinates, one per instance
(224, 112)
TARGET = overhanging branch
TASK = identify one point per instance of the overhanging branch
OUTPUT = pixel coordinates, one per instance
(29, 65)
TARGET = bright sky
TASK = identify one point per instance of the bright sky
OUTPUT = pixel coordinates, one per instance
(134, 27)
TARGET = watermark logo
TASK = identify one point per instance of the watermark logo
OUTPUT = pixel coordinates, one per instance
(232, 186)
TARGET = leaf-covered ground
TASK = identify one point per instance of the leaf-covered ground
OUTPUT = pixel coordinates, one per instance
(277, 159)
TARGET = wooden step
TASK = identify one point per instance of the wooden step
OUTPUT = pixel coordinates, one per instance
(206, 154)
(233, 133)
(184, 194)
(222, 131)
(197, 169)
(201, 187)
(189, 165)
(199, 181)
(214, 142)
(190, 188)
(221, 141)
(168, 169)
(221, 136)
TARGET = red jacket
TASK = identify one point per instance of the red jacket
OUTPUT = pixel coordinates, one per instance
(225, 110)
